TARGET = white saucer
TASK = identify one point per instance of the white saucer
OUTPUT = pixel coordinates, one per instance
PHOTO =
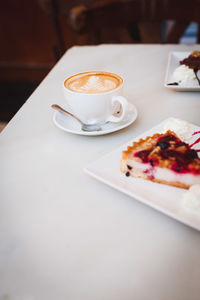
(69, 124)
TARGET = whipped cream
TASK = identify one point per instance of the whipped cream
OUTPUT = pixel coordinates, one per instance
(191, 199)
(183, 75)
(180, 127)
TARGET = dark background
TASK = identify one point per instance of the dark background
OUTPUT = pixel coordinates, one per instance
(28, 50)
(35, 33)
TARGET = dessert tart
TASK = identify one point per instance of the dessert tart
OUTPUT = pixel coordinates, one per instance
(193, 62)
(162, 158)
(187, 73)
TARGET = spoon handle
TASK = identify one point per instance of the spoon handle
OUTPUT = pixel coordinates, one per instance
(59, 108)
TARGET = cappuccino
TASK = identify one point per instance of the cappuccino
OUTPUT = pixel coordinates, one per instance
(93, 82)
(93, 97)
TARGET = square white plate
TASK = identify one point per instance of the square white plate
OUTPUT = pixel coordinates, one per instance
(173, 62)
(162, 197)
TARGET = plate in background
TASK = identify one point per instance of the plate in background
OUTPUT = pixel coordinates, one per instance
(173, 62)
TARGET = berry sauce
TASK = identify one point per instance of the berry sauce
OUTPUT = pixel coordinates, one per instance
(170, 149)
(143, 155)
(168, 138)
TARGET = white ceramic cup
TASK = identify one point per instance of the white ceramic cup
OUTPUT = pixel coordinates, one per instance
(92, 97)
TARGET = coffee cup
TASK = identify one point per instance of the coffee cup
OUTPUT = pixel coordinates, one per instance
(93, 97)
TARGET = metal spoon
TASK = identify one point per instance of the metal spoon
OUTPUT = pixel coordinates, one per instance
(84, 127)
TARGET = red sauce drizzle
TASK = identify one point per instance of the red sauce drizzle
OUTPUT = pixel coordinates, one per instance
(196, 142)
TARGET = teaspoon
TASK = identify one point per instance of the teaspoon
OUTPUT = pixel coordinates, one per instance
(84, 127)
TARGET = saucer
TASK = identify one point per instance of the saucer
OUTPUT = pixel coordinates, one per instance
(69, 124)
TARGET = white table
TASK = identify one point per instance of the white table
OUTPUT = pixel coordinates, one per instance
(66, 236)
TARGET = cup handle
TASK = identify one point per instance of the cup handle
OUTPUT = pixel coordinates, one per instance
(124, 108)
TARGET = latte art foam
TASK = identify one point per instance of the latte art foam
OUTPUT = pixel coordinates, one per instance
(93, 83)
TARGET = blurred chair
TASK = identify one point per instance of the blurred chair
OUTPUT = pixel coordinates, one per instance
(53, 9)
(121, 21)
(134, 20)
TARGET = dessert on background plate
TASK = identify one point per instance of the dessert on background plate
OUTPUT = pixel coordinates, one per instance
(164, 157)
(187, 73)
(183, 75)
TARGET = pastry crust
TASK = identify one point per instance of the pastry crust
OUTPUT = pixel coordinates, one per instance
(142, 143)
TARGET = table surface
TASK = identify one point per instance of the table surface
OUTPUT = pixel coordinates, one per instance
(63, 234)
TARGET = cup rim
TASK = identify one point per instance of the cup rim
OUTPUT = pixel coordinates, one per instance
(94, 72)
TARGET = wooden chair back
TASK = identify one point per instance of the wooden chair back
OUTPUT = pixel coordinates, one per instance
(93, 17)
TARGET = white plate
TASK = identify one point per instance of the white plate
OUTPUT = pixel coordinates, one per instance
(162, 197)
(69, 124)
(173, 62)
